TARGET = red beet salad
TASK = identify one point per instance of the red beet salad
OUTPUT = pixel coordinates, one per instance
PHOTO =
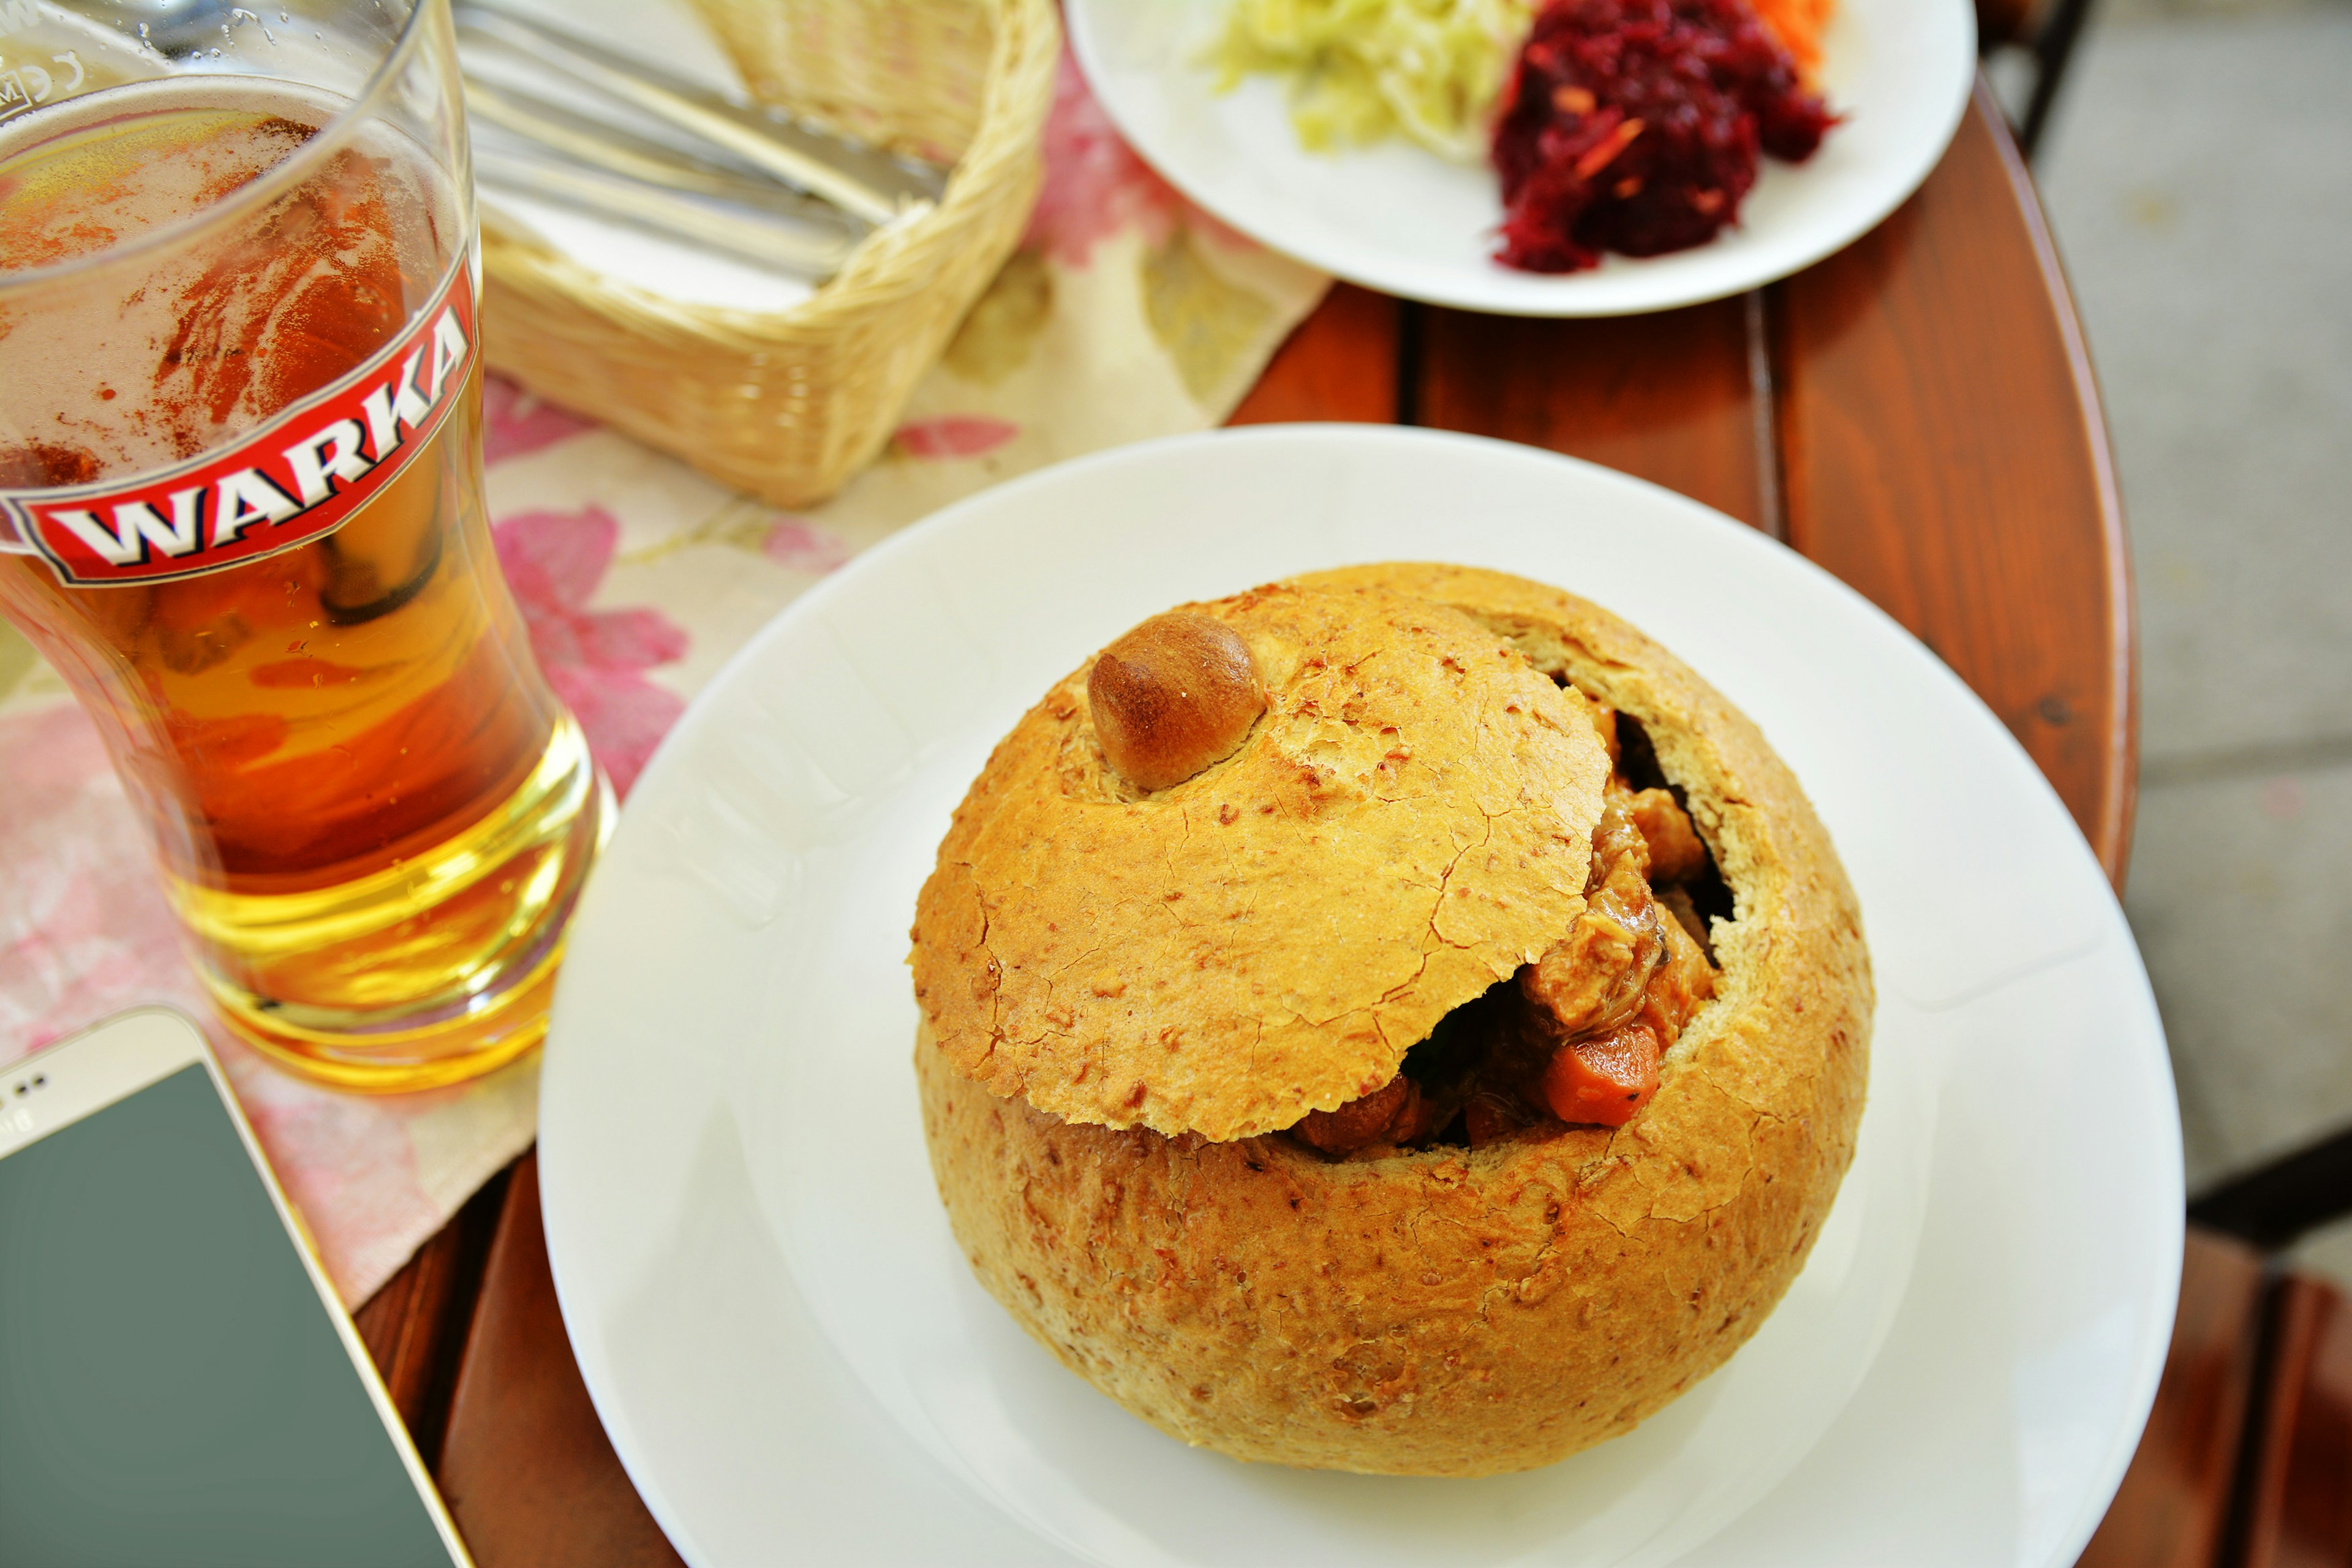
(1635, 126)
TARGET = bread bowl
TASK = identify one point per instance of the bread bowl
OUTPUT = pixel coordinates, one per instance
(1159, 1025)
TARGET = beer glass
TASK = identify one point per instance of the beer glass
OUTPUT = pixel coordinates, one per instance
(241, 513)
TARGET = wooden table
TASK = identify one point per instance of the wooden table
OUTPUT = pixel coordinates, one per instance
(1916, 414)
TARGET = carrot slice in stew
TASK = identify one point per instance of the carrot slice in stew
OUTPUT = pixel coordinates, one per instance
(1604, 1079)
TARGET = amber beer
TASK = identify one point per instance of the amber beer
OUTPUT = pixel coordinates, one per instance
(241, 465)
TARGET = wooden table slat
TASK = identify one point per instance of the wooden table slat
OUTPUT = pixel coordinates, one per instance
(2174, 1502)
(1943, 452)
(2299, 1499)
(530, 1476)
(1670, 398)
(414, 1327)
(1339, 364)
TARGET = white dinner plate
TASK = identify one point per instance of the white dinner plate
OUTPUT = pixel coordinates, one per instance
(1395, 217)
(795, 1364)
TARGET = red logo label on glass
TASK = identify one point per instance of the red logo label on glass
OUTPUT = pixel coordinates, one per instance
(300, 474)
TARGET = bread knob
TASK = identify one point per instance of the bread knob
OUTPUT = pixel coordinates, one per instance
(1175, 694)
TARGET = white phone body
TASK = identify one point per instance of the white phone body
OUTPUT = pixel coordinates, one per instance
(57, 1090)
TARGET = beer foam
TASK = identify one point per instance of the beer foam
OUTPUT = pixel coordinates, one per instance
(167, 349)
(108, 167)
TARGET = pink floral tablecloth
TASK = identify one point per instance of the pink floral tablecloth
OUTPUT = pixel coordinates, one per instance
(1125, 314)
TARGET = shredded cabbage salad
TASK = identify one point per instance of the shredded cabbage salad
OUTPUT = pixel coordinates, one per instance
(1365, 69)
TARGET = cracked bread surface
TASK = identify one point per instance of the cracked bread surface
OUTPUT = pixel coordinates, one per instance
(1450, 1311)
(1408, 823)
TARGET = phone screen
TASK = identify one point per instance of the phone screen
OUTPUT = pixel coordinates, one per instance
(171, 1389)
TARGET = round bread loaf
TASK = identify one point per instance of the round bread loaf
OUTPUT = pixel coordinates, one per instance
(1438, 1310)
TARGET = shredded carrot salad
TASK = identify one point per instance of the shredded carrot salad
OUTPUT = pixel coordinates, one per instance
(1362, 70)
(1799, 24)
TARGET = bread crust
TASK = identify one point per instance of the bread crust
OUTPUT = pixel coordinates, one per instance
(1457, 1311)
(1408, 823)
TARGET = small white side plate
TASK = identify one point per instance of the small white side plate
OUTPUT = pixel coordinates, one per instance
(1404, 221)
(786, 1347)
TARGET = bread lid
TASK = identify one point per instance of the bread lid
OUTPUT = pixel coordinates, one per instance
(1409, 822)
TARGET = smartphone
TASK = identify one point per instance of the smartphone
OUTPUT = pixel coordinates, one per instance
(178, 1384)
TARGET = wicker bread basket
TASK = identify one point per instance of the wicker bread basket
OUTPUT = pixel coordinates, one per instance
(789, 405)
